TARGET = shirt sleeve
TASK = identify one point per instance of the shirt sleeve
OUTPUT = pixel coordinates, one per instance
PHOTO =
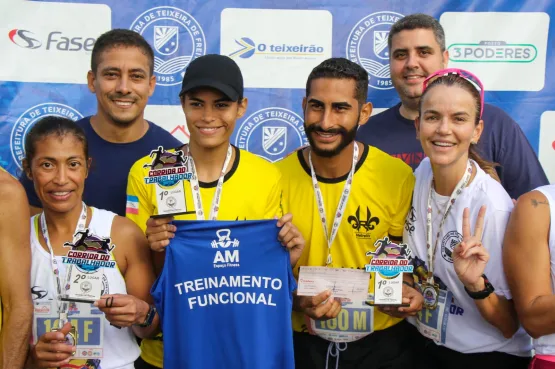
(520, 170)
(30, 190)
(274, 206)
(139, 204)
(404, 198)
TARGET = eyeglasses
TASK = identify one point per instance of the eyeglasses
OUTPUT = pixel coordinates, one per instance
(475, 81)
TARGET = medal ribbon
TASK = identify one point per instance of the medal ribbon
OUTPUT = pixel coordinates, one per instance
(458, 190)
(195, 188)
(340, 206)
(63, 306)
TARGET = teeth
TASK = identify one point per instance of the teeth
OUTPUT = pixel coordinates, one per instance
(123, 103)
(443, 144)
(325, 134)
(209, 129)
(413, 77)
(60, 193)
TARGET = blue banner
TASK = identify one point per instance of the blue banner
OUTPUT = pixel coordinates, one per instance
(47, 46)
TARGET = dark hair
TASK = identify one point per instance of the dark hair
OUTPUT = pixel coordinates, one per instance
(418, 21)
(342, 68)
(121, 38)
(458, 81)
(53, 125)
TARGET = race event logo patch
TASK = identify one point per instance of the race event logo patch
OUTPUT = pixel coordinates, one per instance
(28, 119)
(367, 46)
(89, 252)
(448, 243)
(176, 37)
(167, 168)
(389, 259)
(271, 133)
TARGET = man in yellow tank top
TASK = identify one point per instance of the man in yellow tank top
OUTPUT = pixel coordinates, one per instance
(16, 309)
(212, 100)
(363, 195)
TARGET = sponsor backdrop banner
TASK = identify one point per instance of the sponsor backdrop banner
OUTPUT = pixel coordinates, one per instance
(46, 49)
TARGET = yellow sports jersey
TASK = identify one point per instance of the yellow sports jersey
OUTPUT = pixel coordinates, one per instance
(379, 200)
(251, 191)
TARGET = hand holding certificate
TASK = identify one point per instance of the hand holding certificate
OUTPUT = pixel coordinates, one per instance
(343, 283)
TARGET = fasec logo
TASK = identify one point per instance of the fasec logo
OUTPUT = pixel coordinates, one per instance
(24, 38)
(55, 40)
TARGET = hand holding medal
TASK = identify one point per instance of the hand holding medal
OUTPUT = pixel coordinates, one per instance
(470, 256)
(55, 349)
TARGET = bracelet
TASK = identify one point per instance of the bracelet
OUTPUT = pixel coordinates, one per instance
(408, 284)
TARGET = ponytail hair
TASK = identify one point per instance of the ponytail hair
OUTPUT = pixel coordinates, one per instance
(459, 81)
(487, 166)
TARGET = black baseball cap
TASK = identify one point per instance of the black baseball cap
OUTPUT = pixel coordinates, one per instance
(216, 71)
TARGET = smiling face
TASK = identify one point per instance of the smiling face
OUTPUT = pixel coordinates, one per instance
(58, 170)
(415, 54)
(447, 125)
(211, 116)
(332, 115)
(122, 84)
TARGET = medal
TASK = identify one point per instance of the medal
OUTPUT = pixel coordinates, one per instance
(430, 292)
(430, 289)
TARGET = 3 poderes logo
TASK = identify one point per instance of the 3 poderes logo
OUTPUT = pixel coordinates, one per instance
(55, 40)
(493, 51)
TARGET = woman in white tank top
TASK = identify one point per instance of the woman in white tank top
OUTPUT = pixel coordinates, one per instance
(529, 259)
(86, 254)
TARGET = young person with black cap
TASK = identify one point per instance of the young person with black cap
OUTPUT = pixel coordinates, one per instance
(233, 184)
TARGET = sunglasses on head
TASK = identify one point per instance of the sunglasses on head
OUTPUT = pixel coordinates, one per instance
(475, 81)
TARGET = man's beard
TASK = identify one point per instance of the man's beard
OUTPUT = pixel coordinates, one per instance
(347, 136)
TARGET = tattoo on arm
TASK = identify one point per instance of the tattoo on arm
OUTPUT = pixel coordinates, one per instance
(535, 203)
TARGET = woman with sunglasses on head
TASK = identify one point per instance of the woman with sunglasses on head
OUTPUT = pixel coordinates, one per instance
(455, 230)
(529, 260)
(97, 259)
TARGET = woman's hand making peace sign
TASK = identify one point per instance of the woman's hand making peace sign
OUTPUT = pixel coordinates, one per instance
(470, 256)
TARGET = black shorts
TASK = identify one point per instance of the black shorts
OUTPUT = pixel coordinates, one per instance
(432, 356)
(390, 348)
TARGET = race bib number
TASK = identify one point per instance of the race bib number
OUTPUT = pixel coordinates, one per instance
(433, 323)
(89, 327)
(355, 321)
